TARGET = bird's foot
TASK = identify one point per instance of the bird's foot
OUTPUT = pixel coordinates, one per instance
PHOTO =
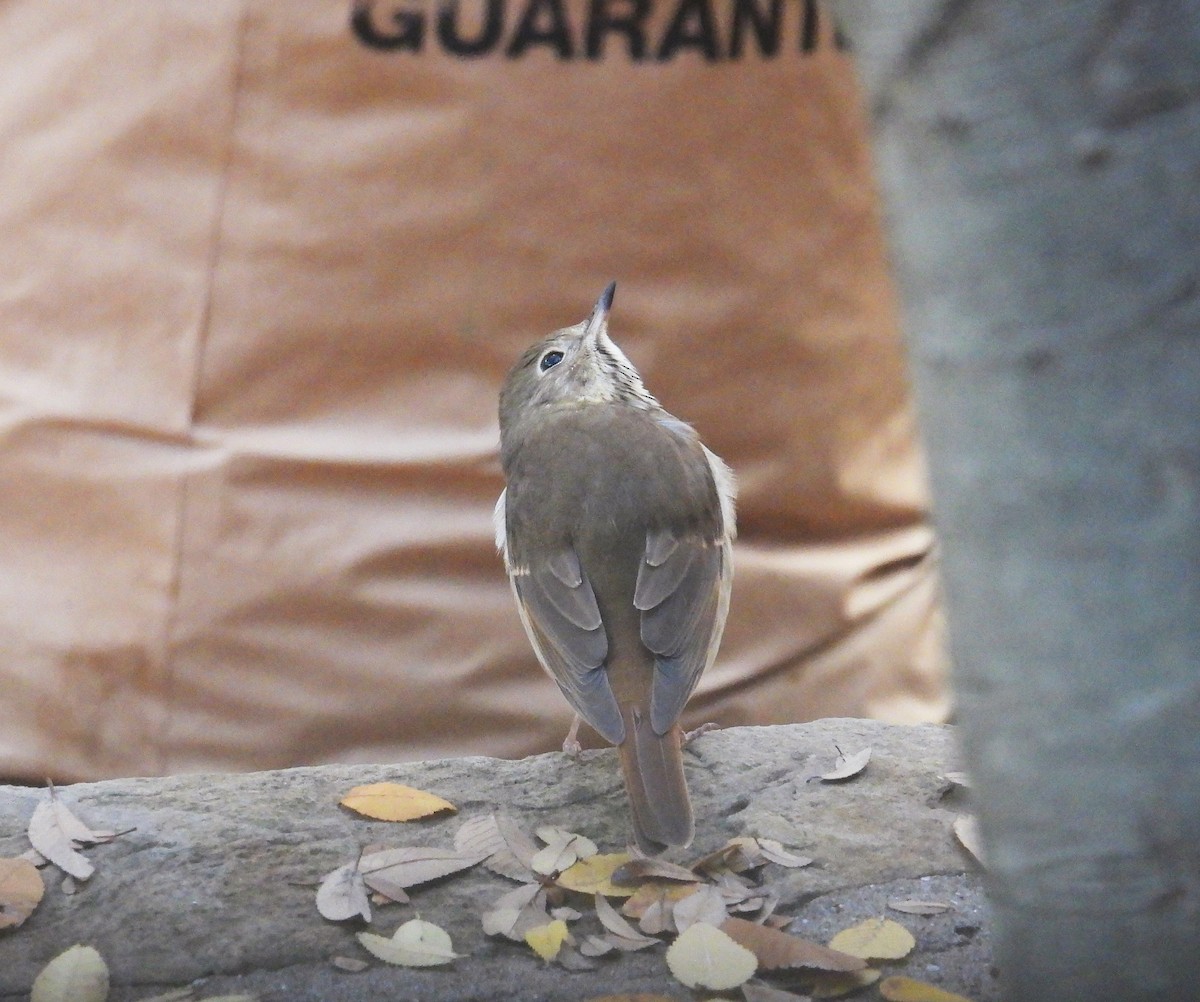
(571, 746)
(699, 732)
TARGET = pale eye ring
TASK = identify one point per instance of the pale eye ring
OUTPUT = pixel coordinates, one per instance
(550, 360)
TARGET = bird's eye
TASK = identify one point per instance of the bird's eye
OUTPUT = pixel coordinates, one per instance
(550, 360)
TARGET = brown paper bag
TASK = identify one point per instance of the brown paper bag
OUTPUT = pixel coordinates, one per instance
(265, 266)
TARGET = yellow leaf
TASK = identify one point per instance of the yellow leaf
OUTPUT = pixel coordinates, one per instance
(830, 986)
(416, 943)
(900, 989)
(394, 802)
(547, 940)
(594, 875)
(21, 889)
(704, 957)
(875, 939)
(75, 975)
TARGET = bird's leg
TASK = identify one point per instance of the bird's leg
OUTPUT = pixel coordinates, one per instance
(699, 732)
(571, 745)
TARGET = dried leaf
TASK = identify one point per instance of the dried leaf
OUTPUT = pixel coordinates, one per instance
(901, 989)
(546, 940)
(705, 957)
(515, 913)
(655, 893)
(966, 829)
(638, 870)
(913, 906)
(78, 974)
(847, 766)
(621, 934)
(735, 856)
(774, 852)
(775, 949)
(352, 965)
(52, 832)
(21, 888)
(954, 779)
(875, 939)
(595, 946)
(594, 875)
(566, 913)
(343, 895)
(753, 992)
(829, 986)
(407, 866)
(505, 849)
(706, 904)
(416, 943)
(563, 850)
(394, 802)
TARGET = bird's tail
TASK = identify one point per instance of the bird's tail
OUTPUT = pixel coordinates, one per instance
(658, 796)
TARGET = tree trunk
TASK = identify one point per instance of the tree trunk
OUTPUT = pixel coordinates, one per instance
(1040, 163)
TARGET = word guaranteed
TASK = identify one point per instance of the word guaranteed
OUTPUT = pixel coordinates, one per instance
(638, 30)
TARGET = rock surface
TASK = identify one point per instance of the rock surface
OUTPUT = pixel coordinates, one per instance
(215, 884)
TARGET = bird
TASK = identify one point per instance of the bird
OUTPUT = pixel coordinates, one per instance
(616, 526)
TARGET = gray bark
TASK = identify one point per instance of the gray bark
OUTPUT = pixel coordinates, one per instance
(1040, 166)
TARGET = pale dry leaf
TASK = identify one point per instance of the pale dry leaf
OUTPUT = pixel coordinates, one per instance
(901, 989)
(479, 835)
(583, 846)
(914, 906)
(778, 950)
(755, 992)
(342, 895)
(955, 779)
(559, 854)
(655, 892)
(78, 974)
(875, 939)
(416, 943)
(775, 852)
(408, 866)
(706, 904)
(546, 940)
(484, 836)
(622, 935)
(519, 842)
(594, 875)
(21, 889)
(394, 802)
(68, 886)
(351, 965)
(46, 835)
(566, 913)
(592, 945)
(966, 830)
(847, 766)
(636, 871)
(35, 857)
(516, 912)
(830, 986)
(658, 917)
(704, 957)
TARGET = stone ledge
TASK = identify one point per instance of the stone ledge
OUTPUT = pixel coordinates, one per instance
(217, 882)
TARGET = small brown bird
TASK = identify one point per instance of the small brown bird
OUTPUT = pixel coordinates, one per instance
(616, 527)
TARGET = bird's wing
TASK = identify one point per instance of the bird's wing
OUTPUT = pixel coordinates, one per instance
(682, 592)
(561, 616)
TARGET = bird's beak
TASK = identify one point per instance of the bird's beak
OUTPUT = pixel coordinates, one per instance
(597, 323)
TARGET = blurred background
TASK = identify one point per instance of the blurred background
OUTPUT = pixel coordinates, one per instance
(264, 269)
